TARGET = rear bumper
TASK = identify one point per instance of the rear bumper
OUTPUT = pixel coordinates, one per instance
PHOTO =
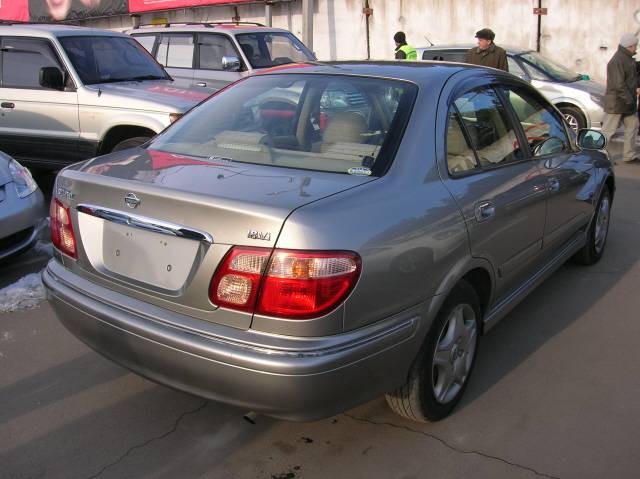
(289, 378)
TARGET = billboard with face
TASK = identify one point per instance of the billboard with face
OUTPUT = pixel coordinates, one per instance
(59, 10)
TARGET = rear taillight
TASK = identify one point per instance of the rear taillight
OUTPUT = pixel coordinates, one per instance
(291, 284)
(62, 235)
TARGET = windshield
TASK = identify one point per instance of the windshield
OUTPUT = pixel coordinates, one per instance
(101, 59)
(314, 122)
(552, 69)
(264, 50)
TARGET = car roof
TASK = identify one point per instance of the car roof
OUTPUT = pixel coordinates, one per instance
(231, 28)
(512, 50)
(53, 30)
(418, 72)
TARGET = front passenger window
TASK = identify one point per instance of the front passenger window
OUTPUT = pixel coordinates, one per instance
(22, 59)
(212, 48)
(492, 134)
(542, 125)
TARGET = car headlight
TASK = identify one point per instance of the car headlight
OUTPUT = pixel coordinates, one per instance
(25, 185)
(598, 100)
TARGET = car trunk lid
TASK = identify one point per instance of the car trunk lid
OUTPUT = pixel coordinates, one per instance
(155, 225)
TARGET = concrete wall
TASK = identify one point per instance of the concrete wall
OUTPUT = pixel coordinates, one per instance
(580, 34)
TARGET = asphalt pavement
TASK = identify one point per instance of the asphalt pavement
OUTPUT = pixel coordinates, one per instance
(554, 395)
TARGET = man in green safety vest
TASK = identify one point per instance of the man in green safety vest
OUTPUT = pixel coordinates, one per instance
(404, 51)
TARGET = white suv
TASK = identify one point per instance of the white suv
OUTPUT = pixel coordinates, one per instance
(212, 55)
(71, 93)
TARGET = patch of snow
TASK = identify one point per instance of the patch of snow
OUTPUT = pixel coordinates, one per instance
(25, 293)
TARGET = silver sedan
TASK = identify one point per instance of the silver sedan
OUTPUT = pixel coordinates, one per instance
(319, 235)
(22, 208)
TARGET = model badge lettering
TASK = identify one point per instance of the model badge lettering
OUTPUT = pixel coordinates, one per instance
(132, 200)
(65, 193)
(259, 235)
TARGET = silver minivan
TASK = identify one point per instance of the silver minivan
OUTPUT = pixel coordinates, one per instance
(579, 98)
(212, 55)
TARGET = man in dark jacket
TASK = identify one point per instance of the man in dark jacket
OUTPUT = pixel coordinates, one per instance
(620, 99)
(487, 53)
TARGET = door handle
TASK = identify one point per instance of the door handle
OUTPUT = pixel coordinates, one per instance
(553, 185)
(484, 211)
(7, 104)
(201, 83)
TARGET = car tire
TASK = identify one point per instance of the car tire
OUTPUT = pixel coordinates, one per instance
(447, 356)
(130, 143)
(598, 231)
(574, 117)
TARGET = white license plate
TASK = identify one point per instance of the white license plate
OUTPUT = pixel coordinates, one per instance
(160, 260)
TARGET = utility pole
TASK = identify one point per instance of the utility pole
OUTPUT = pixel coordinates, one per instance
(307, 23)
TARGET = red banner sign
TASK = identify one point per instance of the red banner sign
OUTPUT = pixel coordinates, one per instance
(138, 6)
(58, 10)
(14, 10)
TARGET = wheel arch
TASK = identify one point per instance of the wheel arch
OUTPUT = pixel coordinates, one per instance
(120, 133)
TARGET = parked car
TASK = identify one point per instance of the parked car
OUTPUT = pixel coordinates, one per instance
(580, 99)
(212, 55)
(22, 208)
(71, 93)
(300, 267)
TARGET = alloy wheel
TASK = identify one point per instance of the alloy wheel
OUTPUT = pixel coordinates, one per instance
(602, 223)
(454, 354)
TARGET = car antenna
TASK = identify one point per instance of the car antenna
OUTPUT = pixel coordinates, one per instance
(427, 39)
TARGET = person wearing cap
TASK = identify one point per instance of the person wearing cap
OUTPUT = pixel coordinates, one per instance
(404, 51)
(487, 53)
(620, 99)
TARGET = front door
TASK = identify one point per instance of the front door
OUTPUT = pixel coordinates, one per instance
(209, 73)
(37, 125)
(499, 189)
(569, 204)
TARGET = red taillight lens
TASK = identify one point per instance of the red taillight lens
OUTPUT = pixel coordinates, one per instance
(62, 235)
(294, 285)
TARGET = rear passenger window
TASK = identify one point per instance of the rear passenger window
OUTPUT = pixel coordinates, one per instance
(212, 48)
(22, 60)
(460, 156)
(487, 125)
(176, 51)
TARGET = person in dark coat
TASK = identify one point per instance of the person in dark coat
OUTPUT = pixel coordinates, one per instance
(621, 96)
(487, 53)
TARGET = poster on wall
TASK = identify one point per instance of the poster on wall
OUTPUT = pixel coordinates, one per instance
(14, 10)
(139, 6)
(57, 10)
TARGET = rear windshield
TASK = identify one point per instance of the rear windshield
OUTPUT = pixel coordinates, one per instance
(269, 49)
(332, 123)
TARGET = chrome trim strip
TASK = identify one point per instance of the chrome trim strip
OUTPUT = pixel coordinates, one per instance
(144, 223)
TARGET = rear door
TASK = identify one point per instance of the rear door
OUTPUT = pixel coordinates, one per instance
(500, 191)
(211, 48)
(175, 51)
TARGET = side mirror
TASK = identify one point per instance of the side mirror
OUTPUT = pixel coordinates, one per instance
(51, 77)
(230, 63)
(591, 140)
